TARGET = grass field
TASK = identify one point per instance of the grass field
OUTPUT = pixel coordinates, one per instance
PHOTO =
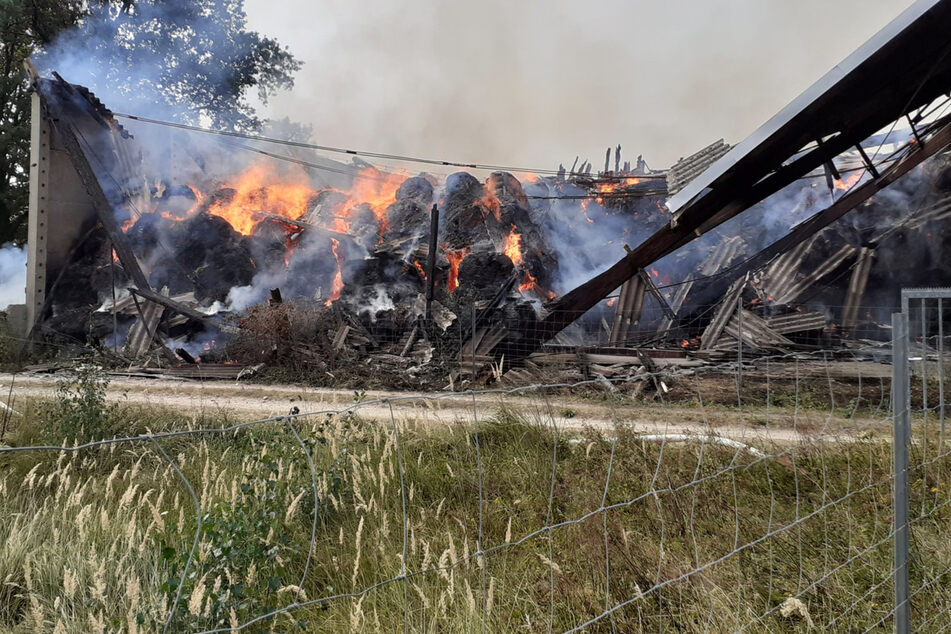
(697, 536)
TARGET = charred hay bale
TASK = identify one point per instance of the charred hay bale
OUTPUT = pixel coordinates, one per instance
(514, 216)
(193, 239)
(145, 235)
(208, 252)
(268, 244)
(364, 226)
(223, 270)
(312, 266)
(463, 214)
(174, 201)
(483, 273)
(388, 271)
(324, 208)
(78, 323)
(409, 215)
(512, 203)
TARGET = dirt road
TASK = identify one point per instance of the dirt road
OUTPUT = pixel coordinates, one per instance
(250, 401)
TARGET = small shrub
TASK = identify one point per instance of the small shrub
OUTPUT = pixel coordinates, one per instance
(253, 545)
(80, 410)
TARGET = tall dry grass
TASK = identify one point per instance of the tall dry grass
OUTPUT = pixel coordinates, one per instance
(98, 540)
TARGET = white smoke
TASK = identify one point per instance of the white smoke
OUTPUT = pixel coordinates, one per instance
(12, 275)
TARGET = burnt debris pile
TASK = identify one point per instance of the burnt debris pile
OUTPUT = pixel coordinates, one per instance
(198, 253)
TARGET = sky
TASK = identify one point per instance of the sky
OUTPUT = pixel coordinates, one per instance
(534, 83)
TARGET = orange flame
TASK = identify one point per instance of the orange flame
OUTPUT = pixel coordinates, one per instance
(529, 283)
(490, 204)
(513, 247)
(455, 258)
(337, 284)
(849, 181)
(419, 267)
(289, 246)
(115, 256)
(260, 189)
(584, 209)
(371, 187)
(612, 301)
(126, 225)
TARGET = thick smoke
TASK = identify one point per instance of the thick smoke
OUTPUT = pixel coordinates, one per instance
(12, 275)
(173, 59)
(537, 82)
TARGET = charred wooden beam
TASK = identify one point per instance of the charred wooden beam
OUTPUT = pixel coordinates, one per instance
(181, 309)
(868, 162)
(185, 355)
(655, 293)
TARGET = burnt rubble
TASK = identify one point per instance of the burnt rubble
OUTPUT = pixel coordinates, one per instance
(182, 268)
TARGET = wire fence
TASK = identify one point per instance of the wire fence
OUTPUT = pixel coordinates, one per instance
(731, 497)
(920, 454)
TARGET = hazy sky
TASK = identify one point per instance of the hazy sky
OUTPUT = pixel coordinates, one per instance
(535, 82)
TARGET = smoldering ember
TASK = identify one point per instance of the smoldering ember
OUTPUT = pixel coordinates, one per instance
(178, 250)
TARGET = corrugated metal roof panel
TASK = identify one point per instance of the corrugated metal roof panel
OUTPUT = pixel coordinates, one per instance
(686, 169)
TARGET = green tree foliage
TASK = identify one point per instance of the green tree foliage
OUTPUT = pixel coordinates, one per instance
(190, 60)
(25, 26)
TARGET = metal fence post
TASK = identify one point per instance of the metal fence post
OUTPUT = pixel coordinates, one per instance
(901, 405)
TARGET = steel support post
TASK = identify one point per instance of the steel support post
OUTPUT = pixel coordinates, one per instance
(901, 406)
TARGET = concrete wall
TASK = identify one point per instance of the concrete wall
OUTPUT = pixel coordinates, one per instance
(61, 210)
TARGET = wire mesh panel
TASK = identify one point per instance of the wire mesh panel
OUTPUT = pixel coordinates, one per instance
(921, 365)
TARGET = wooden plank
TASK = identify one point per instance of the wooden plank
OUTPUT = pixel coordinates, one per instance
(340, 337)
(177, 307)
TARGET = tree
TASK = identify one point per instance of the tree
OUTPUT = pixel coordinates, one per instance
(25, 26)
(193, 61)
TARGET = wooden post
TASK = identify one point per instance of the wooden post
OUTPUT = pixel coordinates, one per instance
(431, 260)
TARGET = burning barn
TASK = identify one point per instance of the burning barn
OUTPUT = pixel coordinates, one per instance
(163, 243)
